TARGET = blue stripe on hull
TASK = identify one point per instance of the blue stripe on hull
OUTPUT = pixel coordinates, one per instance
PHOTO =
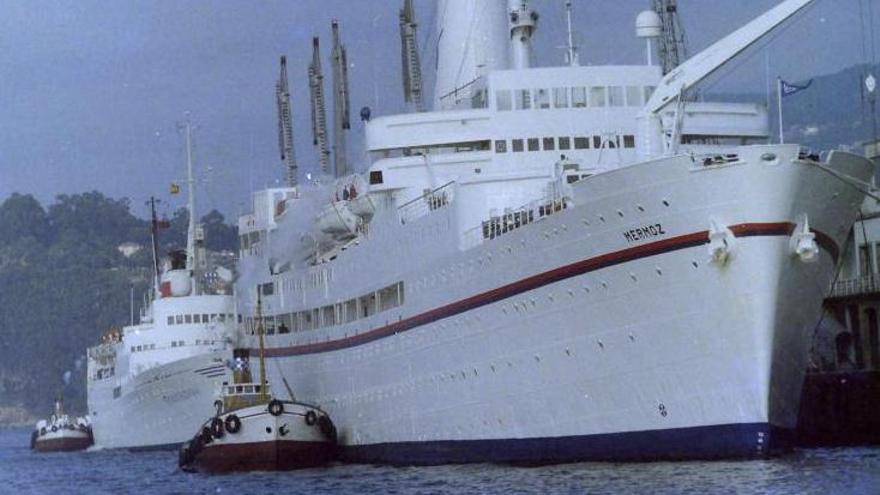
(705, 442)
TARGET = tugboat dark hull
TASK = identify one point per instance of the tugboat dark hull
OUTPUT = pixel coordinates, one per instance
(62, 444)
(261, 456)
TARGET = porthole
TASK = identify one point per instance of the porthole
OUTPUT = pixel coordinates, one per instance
(665, 203)
(640, 208)
(620, 213)
(695, 264)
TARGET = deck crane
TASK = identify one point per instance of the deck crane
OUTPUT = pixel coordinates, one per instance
(672, 46)
(285, 124)
(319, 112)
(341, 121)
(409, 59)
(687, 75)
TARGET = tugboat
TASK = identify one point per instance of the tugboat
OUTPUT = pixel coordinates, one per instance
(61, 432)
(254, 431)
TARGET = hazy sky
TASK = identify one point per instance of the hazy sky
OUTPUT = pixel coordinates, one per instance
(91, 91)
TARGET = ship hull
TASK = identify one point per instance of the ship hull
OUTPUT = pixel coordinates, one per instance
(162, 407)
(582, 337)
(65, 441)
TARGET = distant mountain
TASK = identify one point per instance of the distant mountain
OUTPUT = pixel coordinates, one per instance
(833, 112)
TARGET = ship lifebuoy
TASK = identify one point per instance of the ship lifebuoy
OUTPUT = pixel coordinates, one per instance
(276, 407)
(54, 428)
(233, 424)
(217, 428)
(311, 418)
(326, 427)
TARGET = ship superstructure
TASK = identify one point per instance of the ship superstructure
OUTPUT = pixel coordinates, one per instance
(556, 263)
(152, 383)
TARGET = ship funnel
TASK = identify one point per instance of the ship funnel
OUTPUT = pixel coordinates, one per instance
(472, 41)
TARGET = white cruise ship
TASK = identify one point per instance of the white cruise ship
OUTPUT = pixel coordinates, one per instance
(153, 383)
(554, 264)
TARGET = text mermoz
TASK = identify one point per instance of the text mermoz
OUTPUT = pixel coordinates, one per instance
(644, 232)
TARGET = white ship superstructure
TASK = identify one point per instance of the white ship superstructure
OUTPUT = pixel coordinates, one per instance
(151, 384)
(555, 264)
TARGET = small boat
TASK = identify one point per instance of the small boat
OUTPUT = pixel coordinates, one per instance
(253, 431)
(61, 432)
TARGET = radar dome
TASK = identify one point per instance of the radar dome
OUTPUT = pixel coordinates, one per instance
(649, 25)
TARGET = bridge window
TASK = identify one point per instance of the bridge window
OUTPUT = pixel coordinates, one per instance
(179, 319)
(187, 318)
(534, 144)
(542, 98)
(579, 97)
(581, 143)
(523, 99)
(633, 96)
(500, 146)
(597, 142)
(503, 102)
(549, 144)
(615, 96)
(629, 141)
(560, 97)
(597, 96)
(565, 143)
(517, 145)
(171, 320)
(376, 177)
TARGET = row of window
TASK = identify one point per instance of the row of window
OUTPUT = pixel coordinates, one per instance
(202, 318)
(174, 343)
(332, 314)
(576, 97)
(565, 143)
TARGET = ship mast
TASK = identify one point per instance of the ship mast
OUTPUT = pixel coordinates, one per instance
(341, 121)
(319, 112)
(409, 58)
(263, 395)
(285, 125)
(191, 253)
(672, 46)
(571, 49)
(154, 235)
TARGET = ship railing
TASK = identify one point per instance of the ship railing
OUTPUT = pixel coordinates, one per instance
(514, 218)
(869, 284)
(474, 92)
(426, 203)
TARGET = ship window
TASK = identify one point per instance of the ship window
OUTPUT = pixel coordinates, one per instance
(132, 348)
(284, 323)
(502, 100)
(239, 318)
(597, 142)
(597, 96)
(579, 97)
(204, 318)
(350, 310)
(187, 318)
(615, 96)
(629, 141)
(375, 177)
(239, 389)
(179, 319)
(534, 144)
(328, 316)
(549, 144)
(500, 146)
(560, 97)
(633, 96)
(581, 143)
(517, 145)
(249, 389)
(222, 317)
(649, 90)
(542, 98)
(564, 143)
(523, 99)
(269, 325)
(180, 343)
(171, 320)
(173, 343)
(267, 289)
(197, 318)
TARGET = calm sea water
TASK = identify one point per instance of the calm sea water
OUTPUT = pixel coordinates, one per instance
(819, 471)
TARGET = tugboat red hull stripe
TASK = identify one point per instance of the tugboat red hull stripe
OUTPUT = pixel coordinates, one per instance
(558, 274)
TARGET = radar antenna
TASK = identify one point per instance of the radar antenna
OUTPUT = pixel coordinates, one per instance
(285, 125)
(341, 121)
(319, 112)
(672, 45)
(409, 58)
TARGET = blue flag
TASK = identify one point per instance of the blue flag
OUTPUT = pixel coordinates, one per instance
(789, 89)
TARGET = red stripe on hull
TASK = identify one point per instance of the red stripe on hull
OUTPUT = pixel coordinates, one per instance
(68, 444)
(557, 274)
(262, 456)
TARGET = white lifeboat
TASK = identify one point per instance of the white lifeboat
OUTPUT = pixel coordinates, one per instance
(337, 219)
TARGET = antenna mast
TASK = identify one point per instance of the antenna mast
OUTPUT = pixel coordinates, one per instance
(341, 120)
(191, 252)
(672, 46)
(319, 112)
(409, 58)
(573, 59)
(285, 125)
(154, 234)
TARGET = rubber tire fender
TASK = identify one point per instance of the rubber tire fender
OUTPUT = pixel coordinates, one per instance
(217, 428)
(276, 407)
(233, 424)
(311, 418)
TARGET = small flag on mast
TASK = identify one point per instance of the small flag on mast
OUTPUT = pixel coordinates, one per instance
(175, 189)
(788, 89)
